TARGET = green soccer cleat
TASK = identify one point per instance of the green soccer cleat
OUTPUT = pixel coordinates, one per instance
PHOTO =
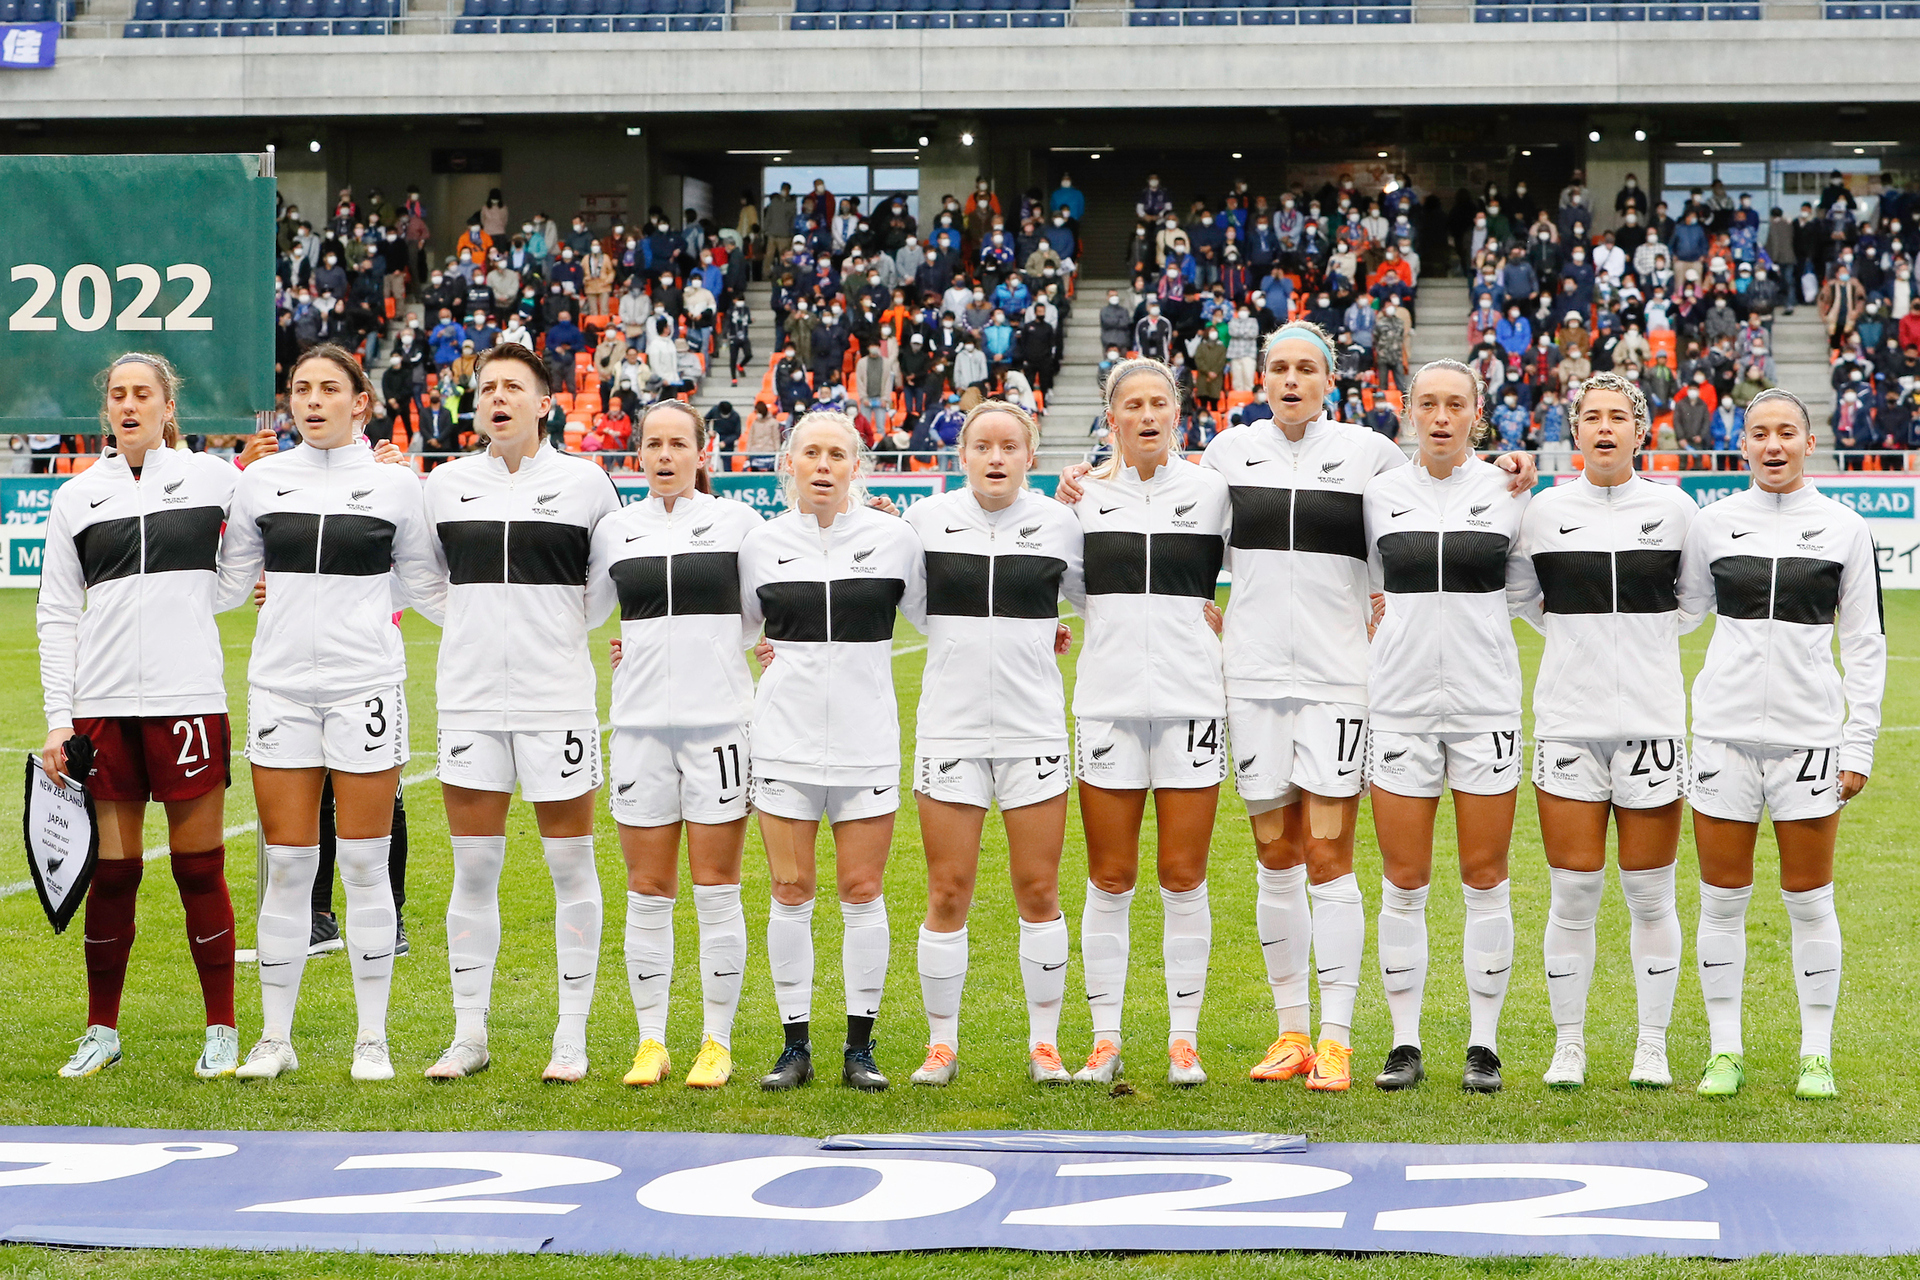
(1816, 1078)
(1723, 1077)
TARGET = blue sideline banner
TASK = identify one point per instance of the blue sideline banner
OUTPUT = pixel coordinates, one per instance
(28, 46)
(714, 1195)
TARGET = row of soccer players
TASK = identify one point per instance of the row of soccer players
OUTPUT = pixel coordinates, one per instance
(519, 551)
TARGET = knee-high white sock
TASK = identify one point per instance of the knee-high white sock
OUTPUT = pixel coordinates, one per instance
(576, 931)
(1721, 951)
(1816, 965)
(1486, 950)
(370, 928)
(286, 925)
(1655, 944)
(1403, 957)
(1339, 940)
(1043, 971)
(943, 972)
(1280, 915)
(1105, 939)
(473, 930)
(790, 956)
(649, 955)
(1568, 947)
(723, 957)
(863, 955)
(1185, 945)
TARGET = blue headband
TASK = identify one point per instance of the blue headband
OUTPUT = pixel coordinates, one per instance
(1306, 335)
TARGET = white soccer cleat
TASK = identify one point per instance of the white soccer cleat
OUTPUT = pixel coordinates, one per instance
(463, 1058)
(1568, 1070)
(1044, 1066)
(567, 1066)
(1183, 1064)
(941, 1066)
(1103, 1064)
(221, 1056)
(371, 1061)
(269, 1059)
(99, 1049)
(1650, 1066)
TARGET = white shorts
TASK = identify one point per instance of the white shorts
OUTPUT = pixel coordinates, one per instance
(1283, 746)
(1736, 783)
(1133, 755)
(667, 775)
(1636, 773)
(1015, 782)
(549, 764)
(1417, 764)
(804, 801)
(361, 735)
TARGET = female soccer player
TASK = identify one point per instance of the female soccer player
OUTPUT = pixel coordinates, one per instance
(1444, 684)
(1782, 565)
(1599, 577)
(130, 659)
(516, 693)
(1149, 701)
(682, 699)
(331, 527)
(992, 723)
(826, 577)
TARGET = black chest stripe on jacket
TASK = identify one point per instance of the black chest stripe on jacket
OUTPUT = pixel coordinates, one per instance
(1647, 581)
(1806, 590)
(703, 582)
(109, 549)
(347, 545)
(1468, 563)
(1585, 581)
(1023, 586)
(1262, 517)
(1184, 564)
(1274, 519)
(530, 552)
(1742, 586)
(176, 541)
(862, 610)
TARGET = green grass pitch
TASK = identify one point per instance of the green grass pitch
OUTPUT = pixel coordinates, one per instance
(43, 982)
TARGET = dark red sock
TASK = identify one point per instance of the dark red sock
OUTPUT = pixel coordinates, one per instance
(203, 893)
(108, 935)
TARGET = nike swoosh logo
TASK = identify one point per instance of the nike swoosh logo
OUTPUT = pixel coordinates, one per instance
(636, 537)
(1182, 995)
(575, 977)
(1102, 996)
(1107, 510)
(1049, 968)
(382, 956)
(1048, 774)
(568, 773)
(1254, 462)
(203, 768)
(274, 964)
(789, 559)
(880, 791)
(1715, 964)
(470, 968)
(1814, 973)
(961, 529)
(1201, 764)
(645, 977)
(1494, 973)
(1501, 768)
(1654, 973)
(1343, 773)
(1275, 942)
(281, 493)
(197, 938)
(729, 799)
(1330, 969)
(731, 973)
(1571, 528)
(378, 746)
(1409, 969)
(471, 497)
(1396, 515)
(97, 502)
(1822, 791)
(1569, 974)
(1742, 535)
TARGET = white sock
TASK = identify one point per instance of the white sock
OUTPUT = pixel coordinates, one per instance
(1339, 940)
(1280, 915)
(1816, 965)
(1185, 946)
(473, 930)
(790, 956)
(370, 928)
(1486, 950)
(1105, 938)
(1721, 949)
(723, 958)
(1403, 957)
(943, 972)
(284, 929)
(1655, 943)
(1568, 947)
(649, 956)
(577, 910)
(1043, 971)
(863, 956)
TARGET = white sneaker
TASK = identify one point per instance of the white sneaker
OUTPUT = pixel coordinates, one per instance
(221, 1056)
(371, 1061)
(1568, 1070)
(567, 1066)
(1650, 1066)
(463, 1058)
(268, 1060)
(99, 1049)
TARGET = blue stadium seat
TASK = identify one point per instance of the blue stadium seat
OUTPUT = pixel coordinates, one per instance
(328, 8)
(146, 10)
(197, 10)
(466, 26)
(1867, 11)
(236, 28)
(253, 10)
(1689, 13)
(1746, 13)
(553, 8)
(1600, 12)
(580, 8)
(1573, 13)
(1543, 13)
(519, 26)
(911, 22)
(881, 21)
(360, 8)
(1224, 16)
(134, 31)
(1339, 17)
(279, 10)
(1629, 13)
(173, 10)
(630, 25)
(227, 10)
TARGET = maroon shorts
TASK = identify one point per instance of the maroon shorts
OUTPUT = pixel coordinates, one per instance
(163, 757)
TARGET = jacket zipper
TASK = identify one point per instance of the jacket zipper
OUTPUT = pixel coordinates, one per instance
(506, 576)
(826, 555)
(1773, 588)
(139, 496)
(1613, 570)
(1440, 597)
(1148, 585)
(993, 564)
(319, 537)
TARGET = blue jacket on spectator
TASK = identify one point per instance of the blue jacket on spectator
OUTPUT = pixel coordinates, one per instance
(1514, 336)
(565, 333)
(946, 425)
(1279, 291)
(1689, 242)
(1518, 279)
(1073, 198)
(1511, 421)
(1012, 297)
(1359, 322)
(998, 339)
(715, 278)
(1061, 238)
(446, 338)
(482, 338)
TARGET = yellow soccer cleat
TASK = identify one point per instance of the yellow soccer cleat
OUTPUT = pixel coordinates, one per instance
(650, 1065)
(1289, 1056)
(713, 1068)
(1332, 1068)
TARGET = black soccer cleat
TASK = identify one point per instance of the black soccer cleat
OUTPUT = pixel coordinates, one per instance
(859, 1070)
(400, 944)
(793, 1068)
(325, 936)
(1403, 1070)
(1483, 1070)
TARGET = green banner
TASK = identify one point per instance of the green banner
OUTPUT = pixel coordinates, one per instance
(108, 254)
